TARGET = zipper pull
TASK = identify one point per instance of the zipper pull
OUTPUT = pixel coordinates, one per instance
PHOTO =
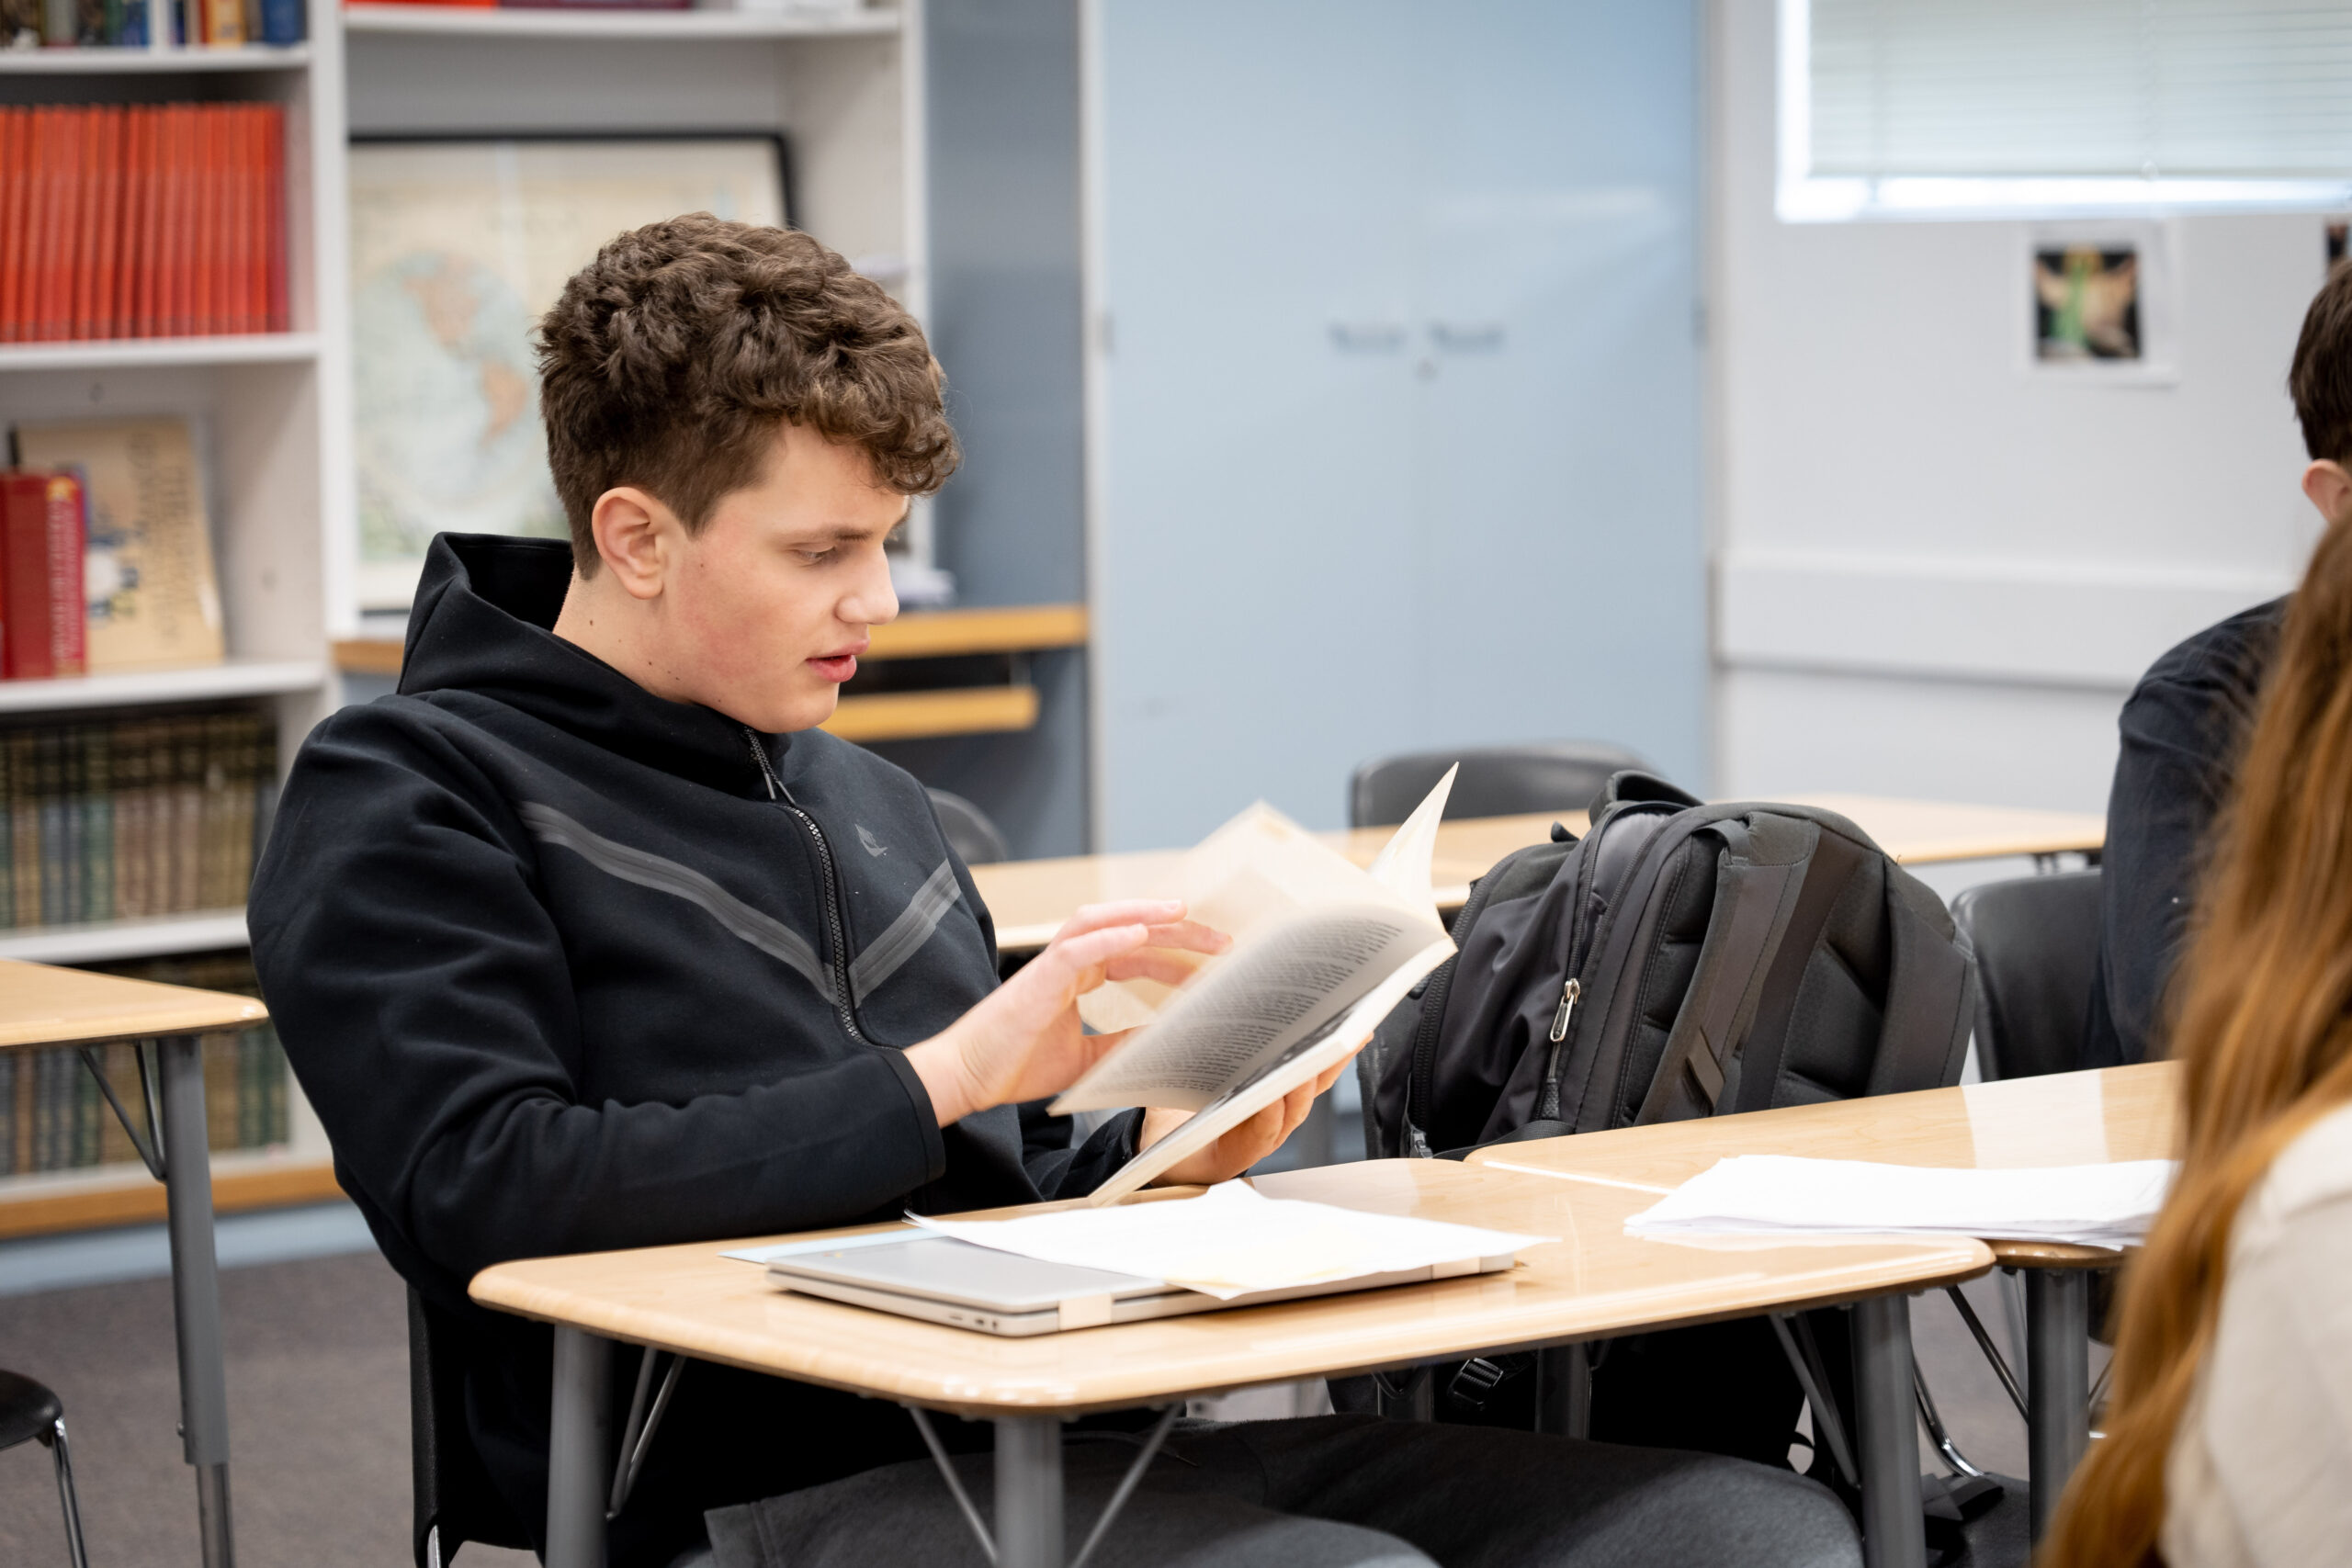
(1568, 995)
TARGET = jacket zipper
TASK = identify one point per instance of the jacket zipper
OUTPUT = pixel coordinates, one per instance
(834, 924)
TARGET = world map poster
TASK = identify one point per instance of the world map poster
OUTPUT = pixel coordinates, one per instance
(457, 248)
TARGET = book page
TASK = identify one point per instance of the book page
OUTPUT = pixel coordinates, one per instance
(1231, 1024)
(1261, 868)
(1327, 1048)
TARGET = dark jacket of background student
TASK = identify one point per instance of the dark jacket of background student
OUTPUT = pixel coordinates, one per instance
(2181, 730)
(565, 967)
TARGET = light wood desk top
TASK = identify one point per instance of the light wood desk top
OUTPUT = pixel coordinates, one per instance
(44, 1006)
(1030, 899)
(2087, 1117)
(1595, 1281)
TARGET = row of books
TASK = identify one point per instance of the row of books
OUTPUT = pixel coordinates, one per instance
(117, 818)
(53, 1117)
(121, 221)
(106, 558)
(128, 24)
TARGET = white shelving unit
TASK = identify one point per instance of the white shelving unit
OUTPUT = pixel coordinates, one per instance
(272, 415)
(637, 26)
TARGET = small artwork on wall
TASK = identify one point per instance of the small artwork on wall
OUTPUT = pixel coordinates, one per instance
(2098, 302)
(2087, 302)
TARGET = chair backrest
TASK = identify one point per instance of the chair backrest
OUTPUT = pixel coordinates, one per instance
(1494, 781)
(969, 833)
(2037, 954)
(455, 1500)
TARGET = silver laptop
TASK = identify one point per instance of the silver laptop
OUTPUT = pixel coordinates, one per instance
(944, 1279)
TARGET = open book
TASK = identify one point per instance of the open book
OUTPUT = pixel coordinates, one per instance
(1322, 951)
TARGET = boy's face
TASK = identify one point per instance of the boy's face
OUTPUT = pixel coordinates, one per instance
(765, 612)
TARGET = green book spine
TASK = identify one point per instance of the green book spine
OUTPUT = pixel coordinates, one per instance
(50, 796)
(98, 823)
(7, 863)
(88, 1106)
(24, 822)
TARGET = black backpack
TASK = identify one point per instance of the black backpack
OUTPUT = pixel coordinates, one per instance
(1680, 960)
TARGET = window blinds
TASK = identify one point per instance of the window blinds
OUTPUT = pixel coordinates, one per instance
(2168, 90)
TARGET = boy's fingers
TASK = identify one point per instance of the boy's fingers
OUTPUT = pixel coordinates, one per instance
(1129, 912)
(1190, 935)
(1094, 949)
(1148, 964)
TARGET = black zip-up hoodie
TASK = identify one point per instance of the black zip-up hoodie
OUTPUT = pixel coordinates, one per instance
(565, 967)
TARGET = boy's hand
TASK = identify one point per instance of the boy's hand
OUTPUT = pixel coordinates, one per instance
(1025, 1041)
(1241, 1147)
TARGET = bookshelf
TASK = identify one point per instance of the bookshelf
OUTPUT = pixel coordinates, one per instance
(271, 415)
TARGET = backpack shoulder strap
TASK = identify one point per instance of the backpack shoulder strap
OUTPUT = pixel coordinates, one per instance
(1760, 883)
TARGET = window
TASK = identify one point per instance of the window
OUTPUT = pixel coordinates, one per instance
(1983, 109)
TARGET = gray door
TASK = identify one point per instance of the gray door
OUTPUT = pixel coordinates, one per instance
(1400, 445)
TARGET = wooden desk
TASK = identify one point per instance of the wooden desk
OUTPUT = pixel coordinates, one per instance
(1595, 1282)
(2089, 1118)
(1030, 899)
(43, 1007)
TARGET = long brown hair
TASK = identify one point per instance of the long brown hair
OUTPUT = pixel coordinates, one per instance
(2264, 1038)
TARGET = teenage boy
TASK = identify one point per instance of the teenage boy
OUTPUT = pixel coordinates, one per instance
(2184, 722)
(587, 939)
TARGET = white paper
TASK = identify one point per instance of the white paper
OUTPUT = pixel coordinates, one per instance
(2087, 1205)
(1230, 1241)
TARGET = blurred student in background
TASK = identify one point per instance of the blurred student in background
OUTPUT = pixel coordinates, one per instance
(2229, 1436)
(2185, 724)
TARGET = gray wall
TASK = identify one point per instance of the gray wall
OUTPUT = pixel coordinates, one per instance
(1006, 323)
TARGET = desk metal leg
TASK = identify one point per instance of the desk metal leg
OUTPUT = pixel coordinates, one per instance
(2058, 1381)
(580, 1450)
(1028, 1492)
(1894, 1532)
(195, 1293)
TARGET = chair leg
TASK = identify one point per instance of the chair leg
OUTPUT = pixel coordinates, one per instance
(66, 1496)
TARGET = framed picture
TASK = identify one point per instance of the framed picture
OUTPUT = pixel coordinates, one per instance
(458, 246)
(2099, 302)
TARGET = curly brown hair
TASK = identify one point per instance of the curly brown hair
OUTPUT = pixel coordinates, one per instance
(669, 360)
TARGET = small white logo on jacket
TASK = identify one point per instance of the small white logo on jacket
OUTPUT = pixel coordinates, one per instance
(874, 846)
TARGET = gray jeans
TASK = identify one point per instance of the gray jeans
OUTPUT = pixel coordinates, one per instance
(1334, 1492)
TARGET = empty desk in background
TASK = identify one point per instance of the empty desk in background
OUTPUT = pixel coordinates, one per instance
(1030, 899)
(2086, 1118)
(1594, 1283)
(41, 1007)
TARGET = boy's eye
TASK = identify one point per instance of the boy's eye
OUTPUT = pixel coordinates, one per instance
(814, 557)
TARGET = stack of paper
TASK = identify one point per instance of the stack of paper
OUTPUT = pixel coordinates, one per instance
(2087, 1205)
(1230, 1241)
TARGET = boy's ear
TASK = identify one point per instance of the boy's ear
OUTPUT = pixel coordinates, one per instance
(2329, 486)
(635, 537)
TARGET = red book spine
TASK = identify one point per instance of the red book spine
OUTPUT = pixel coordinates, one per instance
(13, 138)
(64, 209)
(279, 314)
(107, 264)
(23, 546)
(90, 150)
(139, 279)
(203, 212)
(35, 273)
(171, 225)
(229, 282)
(253, 283)
(67, 613)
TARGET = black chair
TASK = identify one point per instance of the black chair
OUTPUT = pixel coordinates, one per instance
(969, 833)
(2037, 957)
(30, 1413)
(455, 1499)
(1494, 781)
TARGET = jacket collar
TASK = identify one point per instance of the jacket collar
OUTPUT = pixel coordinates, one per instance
(482, 623)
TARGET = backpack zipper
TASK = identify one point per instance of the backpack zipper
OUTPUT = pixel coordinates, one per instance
(1568, 995)
(834, 924)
